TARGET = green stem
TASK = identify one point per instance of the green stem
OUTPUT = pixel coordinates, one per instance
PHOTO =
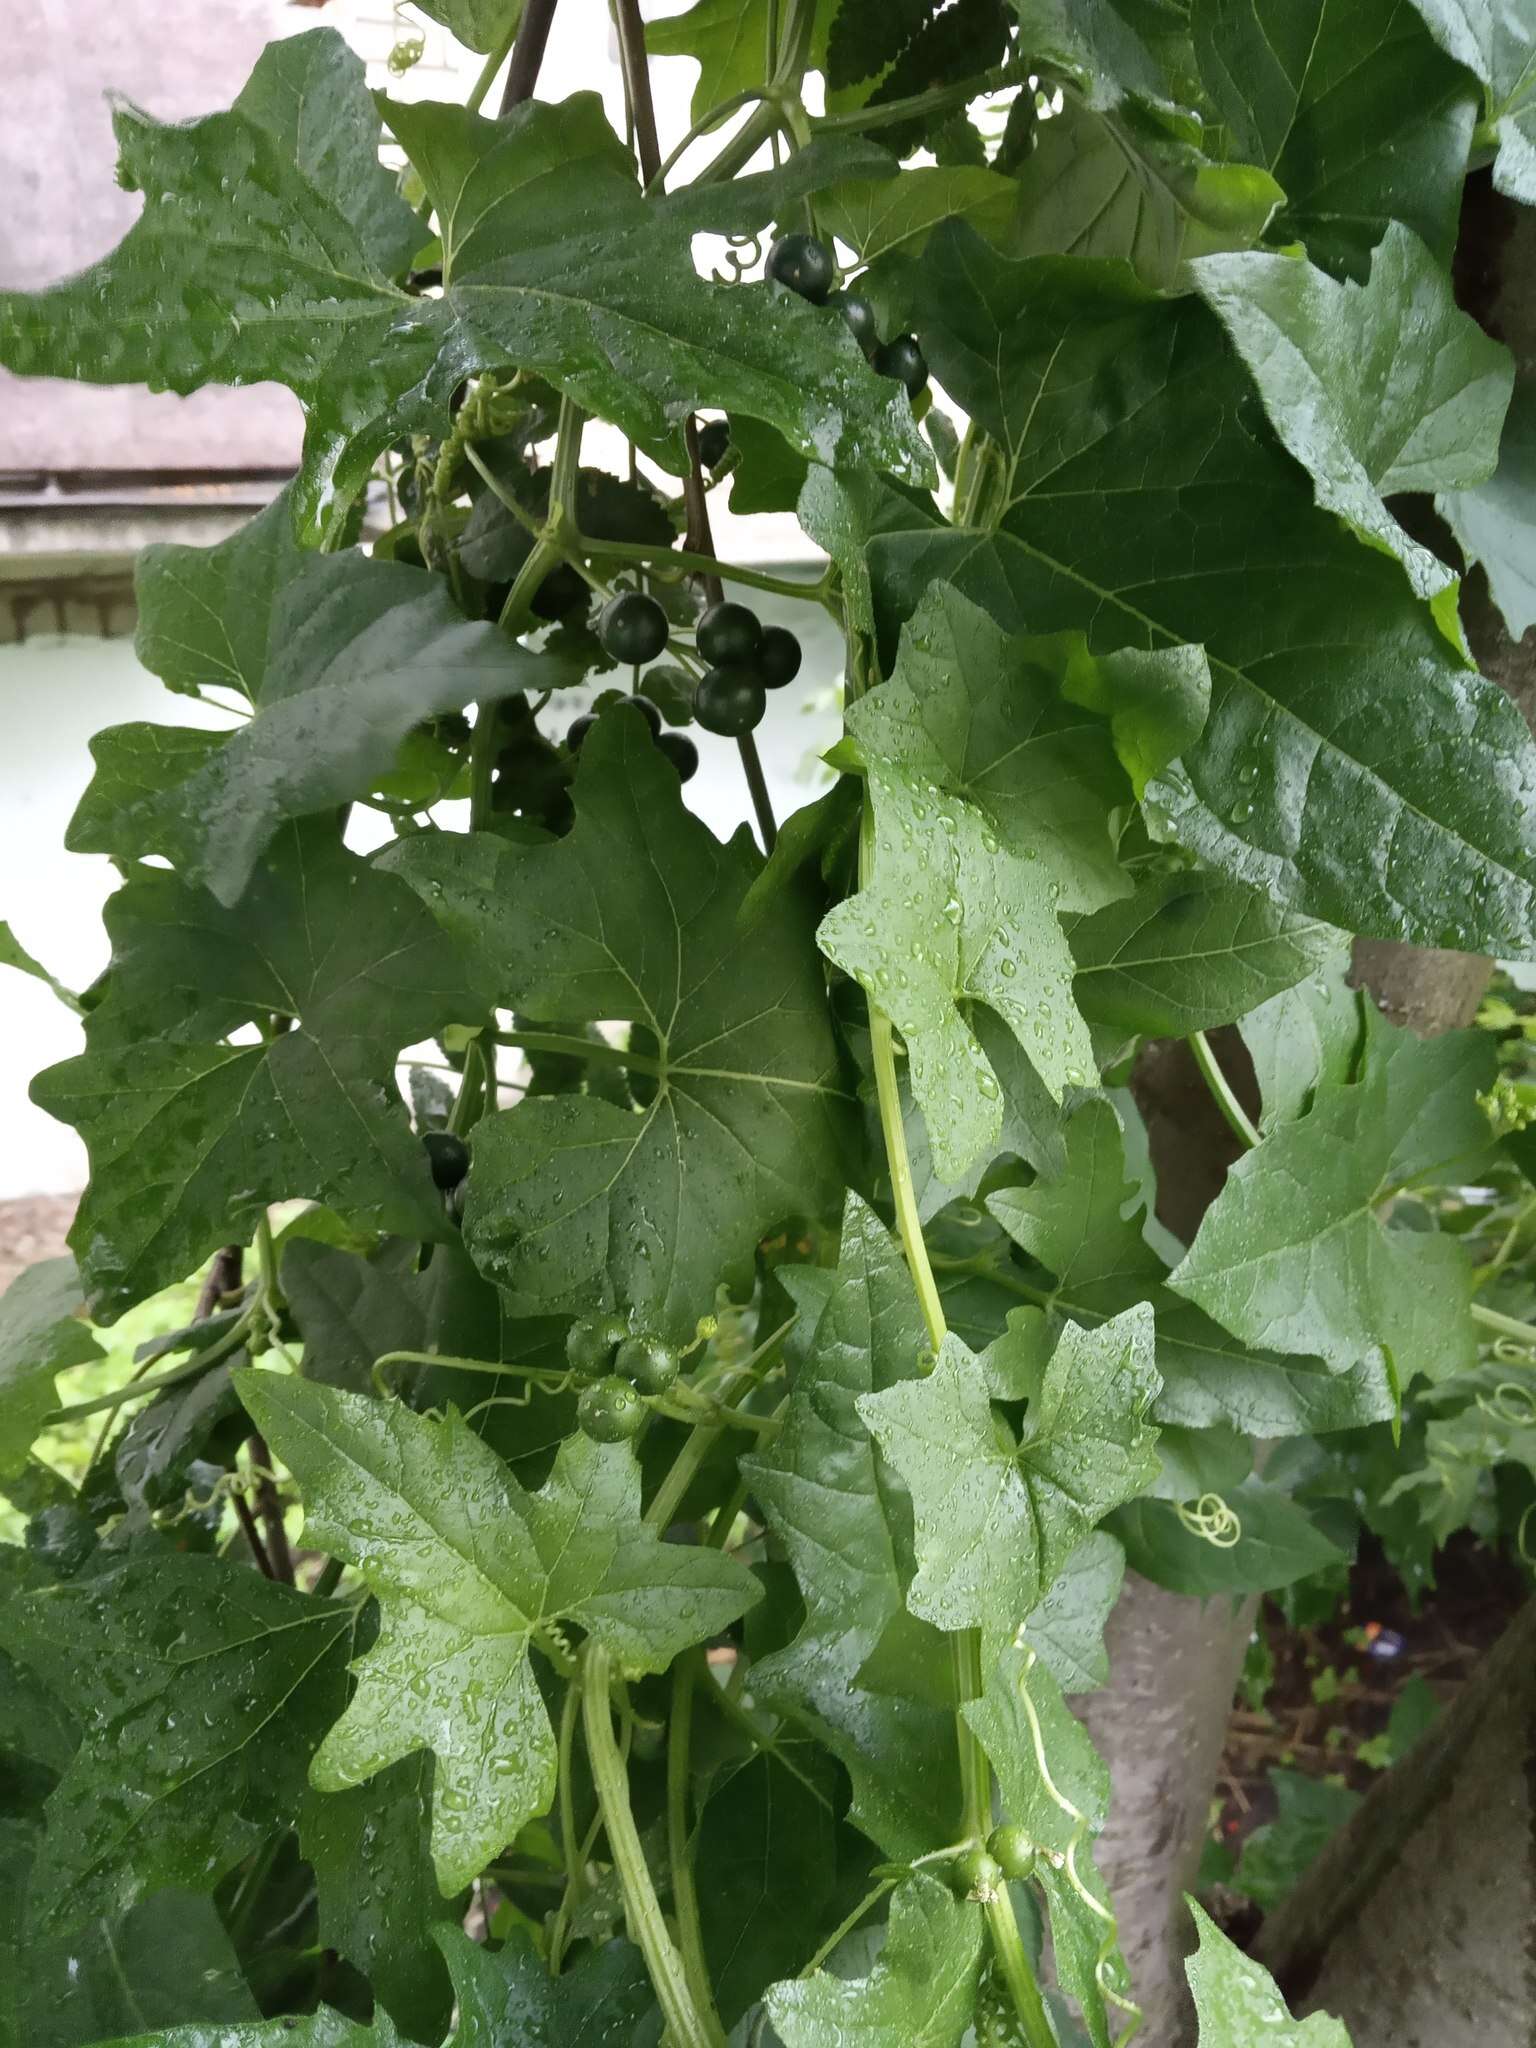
(703, 1438)
(847, 1925)
(703, 126)
(329, 1579)
(469, 1104)
(749, 138)
(492, 64)
(581, 1049)
(570, 1843)
(1221, 1089)
(707, 565)
(266, 1259)
(690, 2026)
(1008, 1947)
(685, 1898)
(933, 101)
(137, 1389)
(1507, 1326)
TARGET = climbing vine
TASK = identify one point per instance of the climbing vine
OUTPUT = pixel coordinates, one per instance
(686, 1350)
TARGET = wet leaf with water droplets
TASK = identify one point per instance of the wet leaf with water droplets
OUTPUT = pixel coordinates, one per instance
(468, 1567)
(1239, 2004)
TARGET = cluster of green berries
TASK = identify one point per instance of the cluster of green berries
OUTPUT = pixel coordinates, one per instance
(621, 1368)
(982, 1873)
(805, 266)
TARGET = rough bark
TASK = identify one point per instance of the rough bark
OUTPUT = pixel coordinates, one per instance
(1417, 1924)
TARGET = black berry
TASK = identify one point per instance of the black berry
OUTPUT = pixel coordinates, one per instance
(682, 753)
(778, 657)
(729, 701)
(903, 360)
(448, 1157)
(714, 441)
(804, 264)
(648, 711)
(859, 316)
(633, 627)
(729, 632)
(578, 730)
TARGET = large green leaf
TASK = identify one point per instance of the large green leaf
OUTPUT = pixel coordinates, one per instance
(1496, 522)
(201, 1689)
(1417, 825)
(1188, 951)
(997, 1518)
(340, 657)
(920, 1994)
(991, 802)
(1295, 1253)
(729, 38)
(168, 1958)
(1094, 44)
(1352, 108)
(1082, 1227)
(1118, 185)
(1274, 1543)
(573, 1201)
(482, 25)
(1239, 2004)
(1375, 388)
(846, 1525)
(265, 252)
(41, 1333)
(1054, 1785)
(876, 216)
(190, 1135)
(1497, 44)
(471, 1571)
(379, 1902)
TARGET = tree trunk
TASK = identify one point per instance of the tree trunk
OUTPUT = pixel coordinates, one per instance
(1417, 1924)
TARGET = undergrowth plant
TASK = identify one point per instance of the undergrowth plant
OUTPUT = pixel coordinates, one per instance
(726, 1388)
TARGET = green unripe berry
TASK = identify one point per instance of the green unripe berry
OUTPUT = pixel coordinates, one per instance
(649, 1363)
(610, 1411)
(591, 1342)
(977, 1875)
(1013, 1848)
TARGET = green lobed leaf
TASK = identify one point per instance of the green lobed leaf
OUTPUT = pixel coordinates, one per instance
(1067, 1629)
(844, 1521)
(990, 803)
(1375, 388)
(1116, 185)
(379, 1903)
(996, 1519)
(1187, 952)
(1497, 44)
(1082, 1226)
(1030, 1128)
(1495, 522)
(201, 1689)
(1310, 1033)
(729, 38)
(168, 1958)
(470, 1570)
(1095, 45)
(1421, 826)
(264, 251)
(1295, 1253)
(1351, 107)
(920, 1994)
(573, 1202)
(482, 25)
(14, 954)
(190, 1135)
(1238, 2003)
(41, 1333)
(876, 216)
(341, 656)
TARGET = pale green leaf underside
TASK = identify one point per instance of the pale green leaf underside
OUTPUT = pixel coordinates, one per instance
(1238, 2003)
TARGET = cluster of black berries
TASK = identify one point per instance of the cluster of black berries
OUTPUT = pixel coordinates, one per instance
(805, 266)
(633, 628)
(746, 660)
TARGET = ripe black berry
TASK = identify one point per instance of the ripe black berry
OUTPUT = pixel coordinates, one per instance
(778, 657)
(729, 701)
(714, 441)
(448, 1157)
(804, 264)
(729, 632)
(578, 730)
(633, 627)
(859, 315)
(904, 360)
(682, 753)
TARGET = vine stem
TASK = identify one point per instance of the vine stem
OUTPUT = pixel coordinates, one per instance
(527, 53)
(1506, 1326)
(685, 1898)
(965, 1644)
(690, 2026)
(1222, 1092)
(581, 1049)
